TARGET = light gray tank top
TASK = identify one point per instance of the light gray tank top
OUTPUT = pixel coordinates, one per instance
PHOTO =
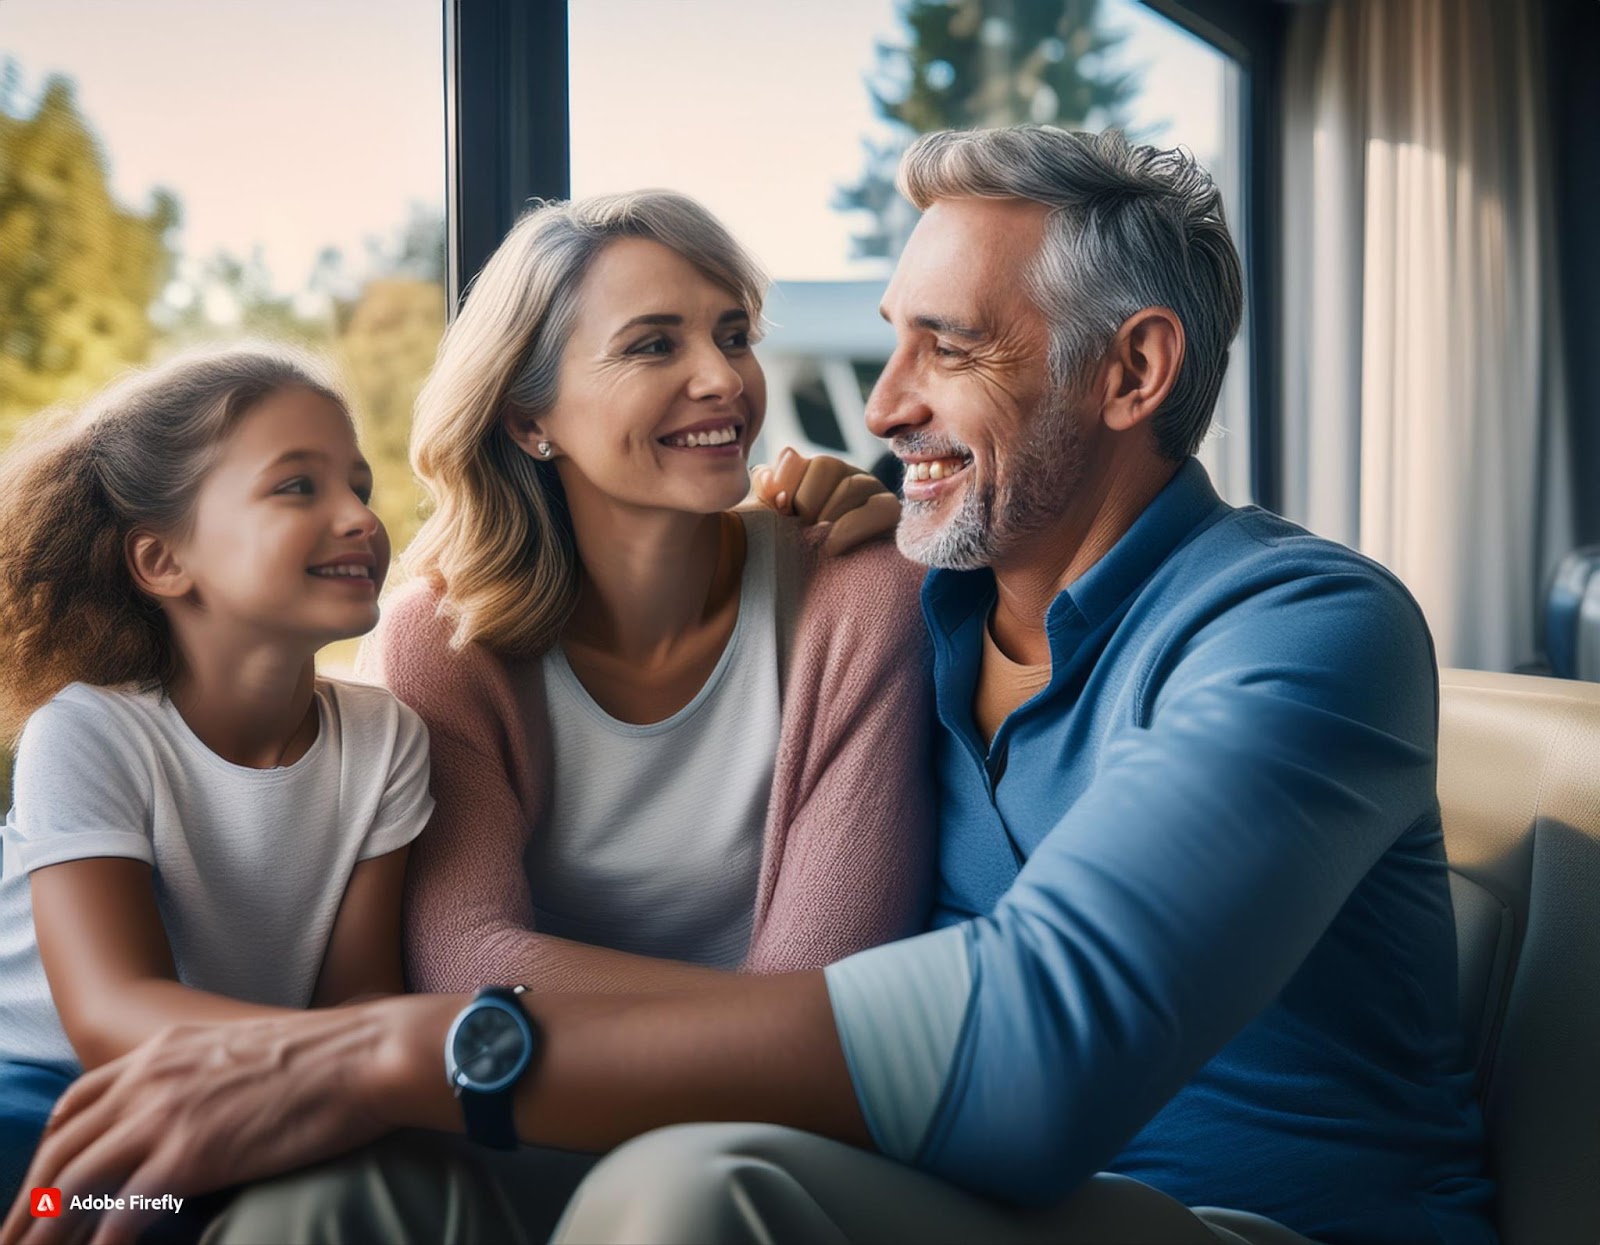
(653, 842)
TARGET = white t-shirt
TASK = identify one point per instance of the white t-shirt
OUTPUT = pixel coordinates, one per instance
(249, 865)
(653, 843)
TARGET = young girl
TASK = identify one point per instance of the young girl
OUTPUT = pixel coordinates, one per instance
(203, 828)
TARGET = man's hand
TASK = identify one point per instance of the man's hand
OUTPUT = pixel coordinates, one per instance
(202, 1107)
(828, 490)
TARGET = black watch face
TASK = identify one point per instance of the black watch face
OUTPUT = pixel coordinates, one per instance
(489, 1046)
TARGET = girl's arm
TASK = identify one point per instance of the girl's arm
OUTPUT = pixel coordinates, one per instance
(363, 956)
(107, 958)
(110, 966)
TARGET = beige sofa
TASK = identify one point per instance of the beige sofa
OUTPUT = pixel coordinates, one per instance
(1519, 782)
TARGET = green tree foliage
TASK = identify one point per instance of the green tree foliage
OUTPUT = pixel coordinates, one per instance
(968, 63)
(384, 345)
(380, 329)
(385, 349)
(385, 339)
(78, 273)
(81, 279)
(257, 311)
(380, 332)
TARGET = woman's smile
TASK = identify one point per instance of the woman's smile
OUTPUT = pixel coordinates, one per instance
(715, 438)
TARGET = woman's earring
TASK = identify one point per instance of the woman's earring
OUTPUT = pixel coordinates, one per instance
(544, 449)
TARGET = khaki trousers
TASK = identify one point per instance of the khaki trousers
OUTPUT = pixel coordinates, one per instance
(695, 1184)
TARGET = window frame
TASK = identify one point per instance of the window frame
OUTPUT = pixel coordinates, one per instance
(507, 123)
(1251, 33)
(508, 140)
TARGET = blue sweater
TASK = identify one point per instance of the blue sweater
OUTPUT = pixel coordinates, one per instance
(1193, 921)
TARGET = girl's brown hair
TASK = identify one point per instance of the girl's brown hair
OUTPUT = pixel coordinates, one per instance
(72, 493)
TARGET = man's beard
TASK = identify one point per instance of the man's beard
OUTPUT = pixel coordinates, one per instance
(1032, 486)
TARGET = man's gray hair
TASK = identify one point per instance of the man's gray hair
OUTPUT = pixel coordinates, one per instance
(1132, 227)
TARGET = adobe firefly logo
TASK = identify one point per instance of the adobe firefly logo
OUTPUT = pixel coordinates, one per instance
(45, 1203)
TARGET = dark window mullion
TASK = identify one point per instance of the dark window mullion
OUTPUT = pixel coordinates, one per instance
(507, 131)
(1251, 32)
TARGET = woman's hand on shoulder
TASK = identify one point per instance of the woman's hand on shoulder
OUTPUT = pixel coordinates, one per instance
(828, 490)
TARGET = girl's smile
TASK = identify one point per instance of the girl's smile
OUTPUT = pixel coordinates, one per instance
(283, 538)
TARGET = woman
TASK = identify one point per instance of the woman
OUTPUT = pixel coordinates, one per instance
(668, 737)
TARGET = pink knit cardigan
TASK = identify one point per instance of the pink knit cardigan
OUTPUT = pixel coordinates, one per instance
(848, 851)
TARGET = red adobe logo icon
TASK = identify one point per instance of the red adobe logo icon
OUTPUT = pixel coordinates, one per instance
(45, 1203)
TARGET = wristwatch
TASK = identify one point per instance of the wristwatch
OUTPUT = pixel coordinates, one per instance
(490, 1045)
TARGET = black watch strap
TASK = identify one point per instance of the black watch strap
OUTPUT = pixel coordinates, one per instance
(491, 1118)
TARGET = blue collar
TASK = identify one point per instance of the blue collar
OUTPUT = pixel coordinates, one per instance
(950, 599)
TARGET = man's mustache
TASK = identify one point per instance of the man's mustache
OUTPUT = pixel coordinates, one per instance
(912, 444)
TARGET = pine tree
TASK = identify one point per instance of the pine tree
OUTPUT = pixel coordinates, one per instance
(969, 63)
(78, 273)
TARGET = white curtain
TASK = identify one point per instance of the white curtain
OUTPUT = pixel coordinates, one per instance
(1423, 390)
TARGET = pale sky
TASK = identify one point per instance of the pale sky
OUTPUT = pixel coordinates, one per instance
(295, 124)
(298, 124)
(760, 108)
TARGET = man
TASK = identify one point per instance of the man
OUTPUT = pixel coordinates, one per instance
(1193, 923)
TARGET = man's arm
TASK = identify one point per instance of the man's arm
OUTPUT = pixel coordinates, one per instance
(613, 1066)
(200, 1108)
(1167, 908)
(1288, 747)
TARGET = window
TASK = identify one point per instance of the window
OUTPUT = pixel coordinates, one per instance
(787, 122)
(1189, 94)
(271, 169)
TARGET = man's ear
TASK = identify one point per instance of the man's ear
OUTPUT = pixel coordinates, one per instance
(153, 563)
(1144, 359)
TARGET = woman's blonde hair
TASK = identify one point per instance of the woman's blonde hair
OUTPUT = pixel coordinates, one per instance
(71, 493)
(497, 543)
